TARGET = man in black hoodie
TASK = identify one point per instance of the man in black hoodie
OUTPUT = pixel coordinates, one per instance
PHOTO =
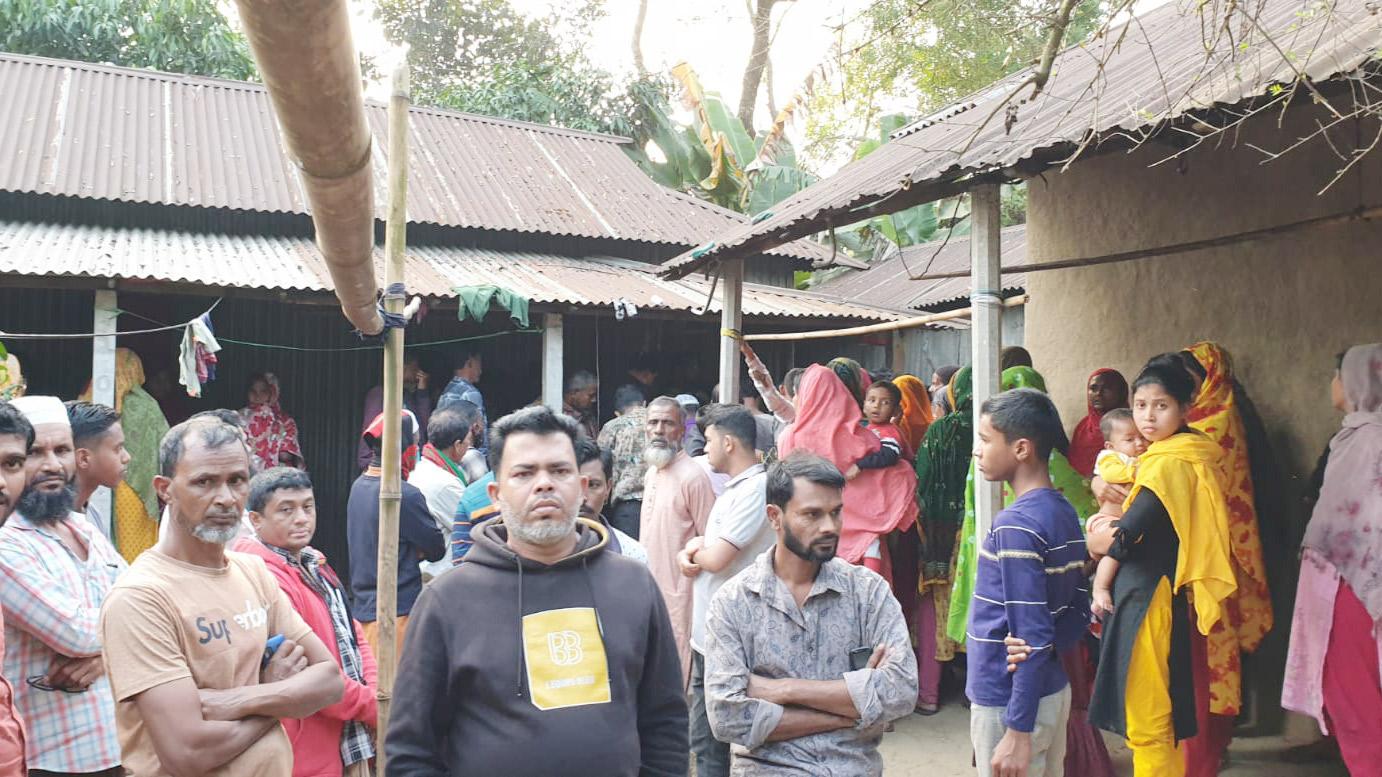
(541, 654)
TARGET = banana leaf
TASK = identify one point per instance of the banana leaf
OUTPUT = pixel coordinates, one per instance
(909, 227)
(772, 184)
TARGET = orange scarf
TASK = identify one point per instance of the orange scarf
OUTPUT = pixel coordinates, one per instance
(916, 410)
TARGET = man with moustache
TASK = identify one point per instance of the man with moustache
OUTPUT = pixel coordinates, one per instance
(809, 657)
(188, 628)
(16, 435)
(542, 654)
(677, 497)
(56, 571)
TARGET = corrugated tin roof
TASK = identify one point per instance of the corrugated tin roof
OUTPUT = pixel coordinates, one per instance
(1158, 73)
(294, 264)
(889, 283)
(82, 130)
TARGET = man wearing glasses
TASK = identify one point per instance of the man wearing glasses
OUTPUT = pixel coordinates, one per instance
(55, 571)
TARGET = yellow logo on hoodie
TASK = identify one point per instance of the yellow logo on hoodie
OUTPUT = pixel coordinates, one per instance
(565, 658)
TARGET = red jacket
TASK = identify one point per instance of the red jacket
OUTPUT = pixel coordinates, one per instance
(317, 739)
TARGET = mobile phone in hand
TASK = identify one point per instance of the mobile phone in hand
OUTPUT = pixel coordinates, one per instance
(859, 658)
(270, 648)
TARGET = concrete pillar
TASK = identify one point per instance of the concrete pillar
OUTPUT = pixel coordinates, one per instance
(986, 300)
(552, 375)
(731, 317)
(103, 383)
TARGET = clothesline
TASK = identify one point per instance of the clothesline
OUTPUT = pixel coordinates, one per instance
(92, 335)
(374, 347)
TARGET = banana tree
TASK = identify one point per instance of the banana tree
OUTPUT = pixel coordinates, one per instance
(716, 159)
(914, 225)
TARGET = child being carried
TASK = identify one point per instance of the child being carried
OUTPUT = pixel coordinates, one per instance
(882, 410)
(1116, 464)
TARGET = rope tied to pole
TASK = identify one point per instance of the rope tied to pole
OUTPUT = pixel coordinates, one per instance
(392, 292)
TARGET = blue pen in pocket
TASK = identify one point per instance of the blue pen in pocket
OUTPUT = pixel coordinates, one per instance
(270, 648)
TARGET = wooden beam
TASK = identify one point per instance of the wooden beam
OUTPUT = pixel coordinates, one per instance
(842, 216)
(1357, 214)
(552, 355)
(887, 326)
(731, 317)
(986, 301)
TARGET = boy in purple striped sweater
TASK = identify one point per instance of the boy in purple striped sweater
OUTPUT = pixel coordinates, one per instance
(1030, 584)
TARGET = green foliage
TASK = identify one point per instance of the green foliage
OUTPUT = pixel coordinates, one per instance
(484, 56)
(179, 36)
(903, 228)
(1013, 204)
(926, 55)
(716, 159)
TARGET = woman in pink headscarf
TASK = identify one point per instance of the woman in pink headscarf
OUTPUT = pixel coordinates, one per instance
(878, 501)
(1334, 667)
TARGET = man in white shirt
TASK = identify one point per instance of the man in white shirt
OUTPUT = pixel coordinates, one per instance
(736, 533)
(440, 474)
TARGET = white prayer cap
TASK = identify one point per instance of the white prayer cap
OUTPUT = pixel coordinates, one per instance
(42, 410)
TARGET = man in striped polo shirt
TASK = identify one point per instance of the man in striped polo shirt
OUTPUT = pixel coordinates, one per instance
(1030, 585)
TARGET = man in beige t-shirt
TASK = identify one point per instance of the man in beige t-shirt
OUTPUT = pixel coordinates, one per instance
(184, 631)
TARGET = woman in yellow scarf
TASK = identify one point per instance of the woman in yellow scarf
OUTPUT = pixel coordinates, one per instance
(1173, 546)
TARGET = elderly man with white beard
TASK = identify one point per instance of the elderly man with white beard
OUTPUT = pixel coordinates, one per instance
(56, 570)
(542, 654)
(677, 497)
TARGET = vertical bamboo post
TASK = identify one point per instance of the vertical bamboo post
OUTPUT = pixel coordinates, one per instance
(731, 317)
(391, 487)
(103, 384)
(986, 303)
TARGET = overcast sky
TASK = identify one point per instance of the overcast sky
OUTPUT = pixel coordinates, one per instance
(712, 35)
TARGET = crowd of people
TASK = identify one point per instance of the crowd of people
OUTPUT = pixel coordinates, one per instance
(759, 588)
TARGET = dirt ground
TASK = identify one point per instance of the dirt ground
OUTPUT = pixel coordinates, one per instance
(938, 746)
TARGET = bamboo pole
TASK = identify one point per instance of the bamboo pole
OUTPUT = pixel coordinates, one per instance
(391, 487)
(889, 326)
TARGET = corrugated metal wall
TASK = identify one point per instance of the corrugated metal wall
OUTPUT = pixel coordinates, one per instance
(322, 391)
(926, 349)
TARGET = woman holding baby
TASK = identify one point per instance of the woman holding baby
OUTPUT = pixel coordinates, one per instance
(1172, 545)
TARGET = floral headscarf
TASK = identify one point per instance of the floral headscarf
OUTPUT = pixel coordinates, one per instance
(271, 433)
(1215, 412)
(12, 384)
(1346, 526)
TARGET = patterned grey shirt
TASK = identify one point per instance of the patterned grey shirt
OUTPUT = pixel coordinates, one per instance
(756, 627)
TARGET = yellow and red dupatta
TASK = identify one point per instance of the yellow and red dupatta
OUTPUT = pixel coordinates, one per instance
(1249, 610)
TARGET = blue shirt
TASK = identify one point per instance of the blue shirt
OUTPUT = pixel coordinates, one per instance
(475, 507)
(1030, 584)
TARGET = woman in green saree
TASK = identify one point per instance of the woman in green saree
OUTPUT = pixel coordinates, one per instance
(943, 458)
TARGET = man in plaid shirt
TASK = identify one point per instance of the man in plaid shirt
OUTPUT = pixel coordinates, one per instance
(55, 572)
(16, 433)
